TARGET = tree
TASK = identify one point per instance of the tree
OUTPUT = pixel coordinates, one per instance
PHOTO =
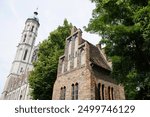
(43, 76)
(124, 26)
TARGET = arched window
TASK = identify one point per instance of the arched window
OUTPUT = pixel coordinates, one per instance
(62, 93)
(32, 28)
(20, 97)
(112, 93)
(72, 92)
(82, 57)
(25, 54)
(69, 49)
(76, 47)
(76, 91)
(99, 91)
(103, 92)
(109, 93)
(34, 56)
(24, 39)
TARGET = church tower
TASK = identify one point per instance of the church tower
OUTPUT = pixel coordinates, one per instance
(24, 55)
(22, 61)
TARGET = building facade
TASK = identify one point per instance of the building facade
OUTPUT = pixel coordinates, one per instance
(84, 72)
(17, 86)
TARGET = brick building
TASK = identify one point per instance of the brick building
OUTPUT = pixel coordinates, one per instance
(84, 72)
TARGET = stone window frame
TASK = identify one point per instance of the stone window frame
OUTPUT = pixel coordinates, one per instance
(109, 93)
(25, 54)
(24, 37)
(75, 91)
(34, 55)
(32, 28)
(103, 92)
(62, 93)
(99, 91)
(112, 93)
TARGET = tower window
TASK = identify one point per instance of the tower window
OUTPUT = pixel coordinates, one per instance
(25, 55)
(24, 39)
(32, 28)
(34, 56)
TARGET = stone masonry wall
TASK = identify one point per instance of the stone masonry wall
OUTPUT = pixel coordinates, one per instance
(80, 76)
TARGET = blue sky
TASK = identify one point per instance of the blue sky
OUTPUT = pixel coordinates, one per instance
(13, 14)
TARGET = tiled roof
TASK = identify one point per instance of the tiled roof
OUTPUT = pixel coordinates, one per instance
(97, 58)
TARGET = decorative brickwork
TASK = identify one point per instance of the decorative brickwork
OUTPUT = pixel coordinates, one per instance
(86, 66)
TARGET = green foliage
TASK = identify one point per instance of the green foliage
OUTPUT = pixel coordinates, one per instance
(43, 76)
(125, 29)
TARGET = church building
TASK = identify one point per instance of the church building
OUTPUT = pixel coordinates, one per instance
(84, 72)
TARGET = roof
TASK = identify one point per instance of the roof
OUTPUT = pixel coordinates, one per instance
(97, 58)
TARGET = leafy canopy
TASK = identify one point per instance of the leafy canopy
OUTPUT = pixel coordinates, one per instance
(124, 26)
(43, 76)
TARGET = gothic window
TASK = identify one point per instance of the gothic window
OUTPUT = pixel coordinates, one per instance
(99, 91)
(20, 97)
(32, 28)
(69, 50)
(74, 93)
(62, 93)
(103, 92)
(24, 39)
(109, 93)
(82, 57)
(25, 54)
(112, 93)
(76, 46)
(34, 56)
